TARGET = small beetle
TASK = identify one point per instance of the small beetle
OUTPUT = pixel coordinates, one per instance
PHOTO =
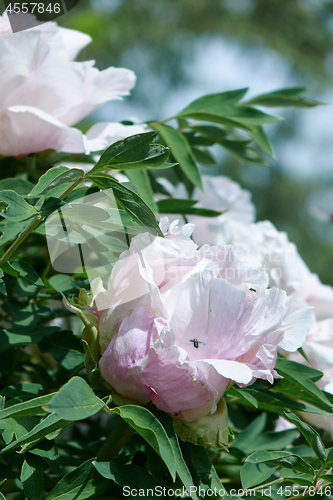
(196, 343)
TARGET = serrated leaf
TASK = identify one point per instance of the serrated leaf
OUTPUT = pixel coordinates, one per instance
(147, 425)
(31, 407)
(75, 401)
(32, 478)
(130, 201)
(310, 434)
(292, 96)
(19, 268)
(18, 209)
(80, 484)
(182, 152)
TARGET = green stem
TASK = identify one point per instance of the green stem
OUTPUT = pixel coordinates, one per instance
(7, 255)
(121, 432)
(323, 466)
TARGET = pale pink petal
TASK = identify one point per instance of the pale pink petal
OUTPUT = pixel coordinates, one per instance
(24, 130)
(97, 87)
(122, 362)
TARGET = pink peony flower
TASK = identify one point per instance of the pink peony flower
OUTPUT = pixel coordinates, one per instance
(177, 324)
(280, 258)
(44, 92)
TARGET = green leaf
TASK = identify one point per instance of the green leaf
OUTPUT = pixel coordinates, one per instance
(245, 441)
(42, 429)
(224, 108)
(310, 434)
(182, 152)
(280, 459)
(65, 347)
(75, 401)
(130, 201)
(2, 284)
(24, 390)
(31, 407)
(80, 484)
(141, 180)
(185, 207)
(146, 424)
(254, 474)
(18, 427)
(128, 476)
(47, 450)
(55, 177)
(180, 464)
(269, 400)
(32, 478)
(50, 205)
(261, 138)
(18, 209)
(202, 155)
(244, 152)
(134, 152)
(20, 336)
(285, 97)
(20, 186)
(21, 269)
(329, 459)
(299, 382)
(11, 229)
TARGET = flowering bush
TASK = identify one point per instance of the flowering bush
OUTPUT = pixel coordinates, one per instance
(190, 341)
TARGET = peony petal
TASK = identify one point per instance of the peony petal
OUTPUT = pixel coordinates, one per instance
(122, 362)
(296, 327)
(25, 130)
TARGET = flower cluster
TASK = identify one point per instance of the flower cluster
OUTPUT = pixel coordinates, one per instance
(179, 324)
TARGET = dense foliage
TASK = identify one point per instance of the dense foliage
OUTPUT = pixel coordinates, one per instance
(73, 440)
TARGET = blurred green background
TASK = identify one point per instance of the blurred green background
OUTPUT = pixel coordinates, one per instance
(181, 49)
